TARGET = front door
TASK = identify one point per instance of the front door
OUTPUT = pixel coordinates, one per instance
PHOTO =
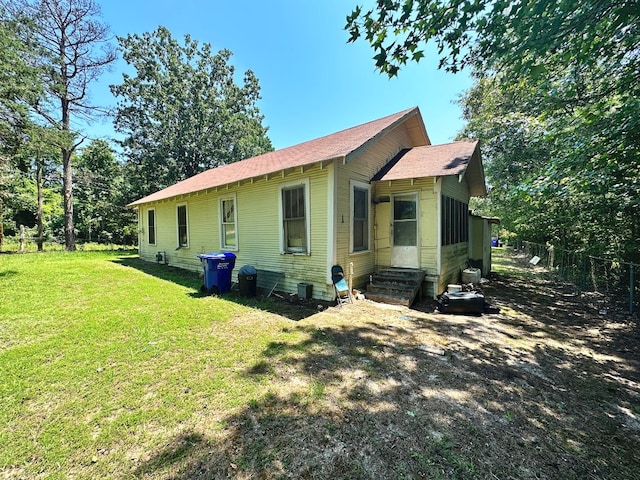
(404, 249)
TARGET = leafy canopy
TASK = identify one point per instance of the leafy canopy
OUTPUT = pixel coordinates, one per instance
(182, 112)
(101, 195)
(569, 176)
(518, 35)
(19, 86)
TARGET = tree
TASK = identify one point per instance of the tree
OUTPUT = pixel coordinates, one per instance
(519, 36)
(74, 51)
(100, 194)
(569, 179)
(182, 112)
(19, 86)
(33, 184)
(39, 153)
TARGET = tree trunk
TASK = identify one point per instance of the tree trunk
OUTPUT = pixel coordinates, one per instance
(69, 235)
(1, 225)
(67, 177)
(40, 213)
(21, 240)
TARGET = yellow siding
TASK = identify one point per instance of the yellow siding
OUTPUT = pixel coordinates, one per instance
(259, 226)
(453, 262)
(362, 167)
(258, 229)
(428, 221)
(453, 257)
(451, 187)
(480, 242)
(476, 237)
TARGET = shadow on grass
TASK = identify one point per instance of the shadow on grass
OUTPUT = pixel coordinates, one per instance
(509, 399)
(8, 273)
(296, 309)
(176, 275)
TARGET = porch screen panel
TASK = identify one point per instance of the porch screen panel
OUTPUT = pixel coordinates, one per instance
(454, 221)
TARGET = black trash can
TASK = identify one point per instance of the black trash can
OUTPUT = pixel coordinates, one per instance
(247, 281)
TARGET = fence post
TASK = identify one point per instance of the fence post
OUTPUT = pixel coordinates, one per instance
(632, 287)
(21, 244)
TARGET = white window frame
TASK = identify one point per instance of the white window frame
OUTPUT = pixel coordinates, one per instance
(353, 185)
(223, 244)
(306, 250)
(186, 212)
(155, 227)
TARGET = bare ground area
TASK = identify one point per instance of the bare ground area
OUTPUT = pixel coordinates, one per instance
(549, 388)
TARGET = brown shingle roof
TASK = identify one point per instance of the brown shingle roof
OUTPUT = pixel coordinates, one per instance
(430, 161)
(336, 145)
(455, 158)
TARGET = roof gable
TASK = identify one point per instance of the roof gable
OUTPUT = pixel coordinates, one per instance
(455, 158)
(337, 145)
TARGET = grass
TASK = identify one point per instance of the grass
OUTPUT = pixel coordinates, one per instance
(98, 359)
(114, 368)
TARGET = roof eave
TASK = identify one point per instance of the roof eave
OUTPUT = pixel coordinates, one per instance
(323, 163)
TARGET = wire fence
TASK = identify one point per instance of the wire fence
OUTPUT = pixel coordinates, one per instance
(15, 244)
(610, 284)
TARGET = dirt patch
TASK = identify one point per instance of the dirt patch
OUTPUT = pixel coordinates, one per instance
(546, 389)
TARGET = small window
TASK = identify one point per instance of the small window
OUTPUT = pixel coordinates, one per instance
(183, 232)
(151, 226)
(294, 219)
(360, 217)
(228, 215)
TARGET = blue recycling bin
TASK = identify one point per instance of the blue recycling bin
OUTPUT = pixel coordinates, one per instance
(217, 267)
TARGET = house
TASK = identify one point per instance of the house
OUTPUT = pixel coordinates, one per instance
(372, 196)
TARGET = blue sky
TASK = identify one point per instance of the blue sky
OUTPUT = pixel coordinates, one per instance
(313, 82)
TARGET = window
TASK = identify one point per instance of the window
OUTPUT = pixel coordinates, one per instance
(151, 226)
(359, 216)
(405, 220)
(183, 232)
(295, 226)
(454, 221)
(229, 219)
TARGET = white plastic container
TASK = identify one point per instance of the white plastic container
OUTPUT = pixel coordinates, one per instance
(471, 275)
(453, 288)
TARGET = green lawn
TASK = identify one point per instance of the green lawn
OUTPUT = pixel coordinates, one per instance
(101, 362)
(114, 368)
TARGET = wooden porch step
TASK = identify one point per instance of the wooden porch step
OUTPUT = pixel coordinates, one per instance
(386, 298)
(398, 286)
(400, 274)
